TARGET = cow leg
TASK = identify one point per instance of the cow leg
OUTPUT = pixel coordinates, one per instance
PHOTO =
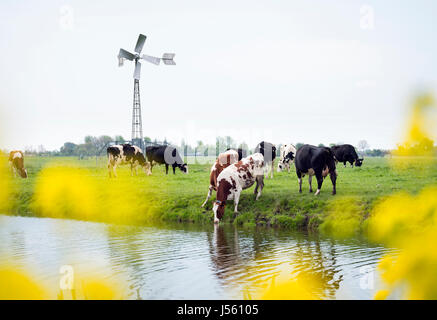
(272, 169)
(333, 176)
(109, 170)
(236, 200)
(166, 168)
(310, 179)
(207, 196)
(299, 179)
(131, 170)
(150, 168)
(319, 182)
(114, 170)
(174, 168)
(260, 184)
(344, 164)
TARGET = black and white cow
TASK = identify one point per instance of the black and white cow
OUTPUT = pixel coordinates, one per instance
(16, 161)
(234, 179)
(242, 153)
(125, 154)
(268, 150)
(167, 155)
(287, 155)
(346, 153)
(318, 161)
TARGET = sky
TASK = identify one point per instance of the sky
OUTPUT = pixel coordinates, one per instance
(281, 71)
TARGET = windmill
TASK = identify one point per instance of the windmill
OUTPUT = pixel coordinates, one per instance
(167, 58)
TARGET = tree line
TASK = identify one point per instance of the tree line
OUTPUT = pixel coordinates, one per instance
(96, 145)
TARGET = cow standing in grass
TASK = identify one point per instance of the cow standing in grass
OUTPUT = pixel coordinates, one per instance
(346, 153)
(288, 153)
(16, 162)
(223, 161)
(318, 161)
(167, 155)
(268, 150)
(125, 154)
(234, 179)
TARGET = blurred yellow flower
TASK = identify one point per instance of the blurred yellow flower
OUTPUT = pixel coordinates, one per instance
(17, 285)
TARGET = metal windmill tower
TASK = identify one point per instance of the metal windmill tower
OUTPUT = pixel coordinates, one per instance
(167, 58)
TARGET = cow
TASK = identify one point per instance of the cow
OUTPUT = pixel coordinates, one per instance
(223, 161)
(16, 162)
(167, 155)
(242, 153)
(346, 153)
(287, 153)
(234, 179)
(125, 154)
(318, 161)
(268, 150)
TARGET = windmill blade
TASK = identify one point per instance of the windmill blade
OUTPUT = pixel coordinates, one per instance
(167, 58)
(126, 55)
(151, 59)
(137, 71)
(140, 43)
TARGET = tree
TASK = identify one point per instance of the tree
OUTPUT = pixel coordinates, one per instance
(321, 145)
(119, 139)
(363, 145)
(68, 149)
(299, 144)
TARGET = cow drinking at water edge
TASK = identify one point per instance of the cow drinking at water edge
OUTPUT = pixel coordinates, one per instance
(223, 161)
(234, 179)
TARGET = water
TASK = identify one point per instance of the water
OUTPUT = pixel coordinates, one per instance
(186, 261)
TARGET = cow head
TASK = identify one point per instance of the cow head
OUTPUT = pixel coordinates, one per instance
(219, 210)
(359, 162)
(184, 168)
(286, 162)
(23, 173)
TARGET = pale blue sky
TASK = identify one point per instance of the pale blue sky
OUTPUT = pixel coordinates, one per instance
(284, 71)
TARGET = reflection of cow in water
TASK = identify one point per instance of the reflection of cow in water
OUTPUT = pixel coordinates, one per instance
(239, 257)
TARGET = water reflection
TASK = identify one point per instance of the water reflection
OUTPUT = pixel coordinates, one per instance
(187, 261)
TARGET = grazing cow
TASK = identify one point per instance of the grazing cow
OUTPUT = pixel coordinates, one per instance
(241, 153)
(318, 161)
(167, 155)
(223, 161)
(288, 153)
(16, 161)
(234, 179)
(268, 150)
(125, 154)
(346, 153)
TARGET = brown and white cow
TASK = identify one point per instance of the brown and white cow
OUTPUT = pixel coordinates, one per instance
(16, 161)
(223, 161)
(125, 154)
(234, 179)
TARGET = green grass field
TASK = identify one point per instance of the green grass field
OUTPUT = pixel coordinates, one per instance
(178, 197)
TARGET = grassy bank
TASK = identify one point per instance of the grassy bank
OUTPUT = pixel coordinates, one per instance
(178, 197)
